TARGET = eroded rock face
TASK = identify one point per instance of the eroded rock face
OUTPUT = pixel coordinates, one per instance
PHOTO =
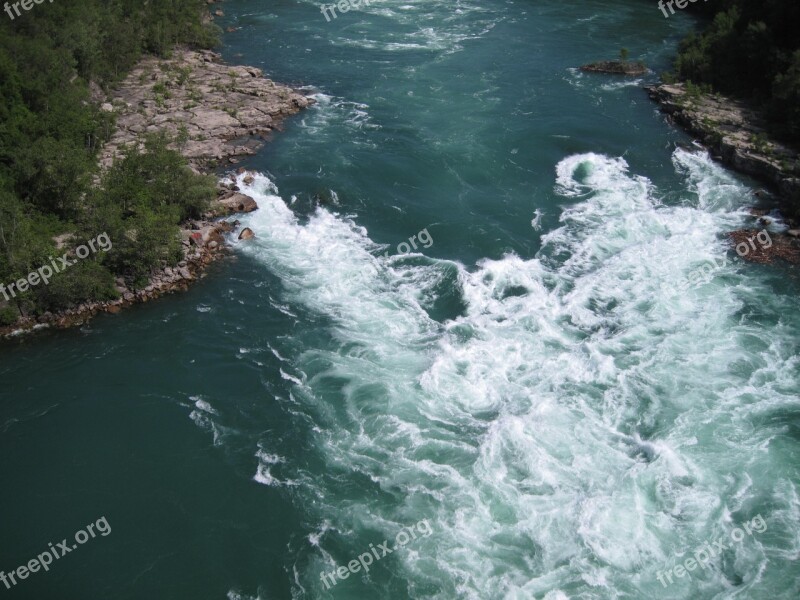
(736, 135)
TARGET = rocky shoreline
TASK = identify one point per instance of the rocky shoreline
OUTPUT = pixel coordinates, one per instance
(736, 135)
(218, 113)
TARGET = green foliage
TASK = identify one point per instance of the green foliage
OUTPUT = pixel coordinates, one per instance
(157, 177)
(50, 134)
(623, 54)
(142, 242)
(8, 315)
(25, 238)
(785, 105)
(183, 75)
(695, 91)
(750, 49)
(85, 280)
(759, 140)
(102, 39)
(140, 203)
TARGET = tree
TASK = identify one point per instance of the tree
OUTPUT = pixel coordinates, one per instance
(50, 133)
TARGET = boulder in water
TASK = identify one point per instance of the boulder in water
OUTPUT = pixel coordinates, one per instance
(246, 234)
(239, 203)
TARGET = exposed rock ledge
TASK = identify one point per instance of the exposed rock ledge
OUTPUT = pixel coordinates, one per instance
(219, 107)
(736, 135)
(223, 112)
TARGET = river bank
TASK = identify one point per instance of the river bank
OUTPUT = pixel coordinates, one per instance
(218, 113)
(735, 135)
(535, 383)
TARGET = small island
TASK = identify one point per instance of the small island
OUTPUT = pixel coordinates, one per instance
(617, 67)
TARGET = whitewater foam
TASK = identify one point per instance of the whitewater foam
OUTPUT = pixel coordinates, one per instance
(575, 424)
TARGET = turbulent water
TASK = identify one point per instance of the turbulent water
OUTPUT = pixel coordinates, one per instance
(541, 393)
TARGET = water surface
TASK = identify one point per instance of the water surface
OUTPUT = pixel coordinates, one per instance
(533, 384)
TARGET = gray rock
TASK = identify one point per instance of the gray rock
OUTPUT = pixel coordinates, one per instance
(239, 203)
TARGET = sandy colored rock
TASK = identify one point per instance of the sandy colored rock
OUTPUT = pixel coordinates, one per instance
(211, 102)
(238, 202)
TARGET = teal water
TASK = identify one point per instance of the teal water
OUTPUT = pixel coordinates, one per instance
(532, 392)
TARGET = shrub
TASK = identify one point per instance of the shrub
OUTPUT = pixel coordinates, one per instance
(750, 49)
(86, 280)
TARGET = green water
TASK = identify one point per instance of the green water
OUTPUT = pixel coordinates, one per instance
(533, 386)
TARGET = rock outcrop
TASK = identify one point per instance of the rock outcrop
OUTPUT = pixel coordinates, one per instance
(736, 135)
(216, 112)
(616, 67)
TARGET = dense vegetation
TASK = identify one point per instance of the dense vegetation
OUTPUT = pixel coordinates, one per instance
(50, 134)
(750, 49)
